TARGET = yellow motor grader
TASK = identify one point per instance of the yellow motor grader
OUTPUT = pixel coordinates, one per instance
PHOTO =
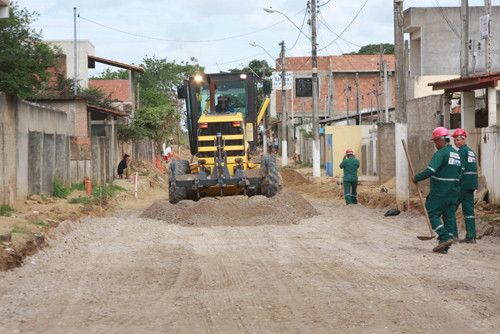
(222, 123)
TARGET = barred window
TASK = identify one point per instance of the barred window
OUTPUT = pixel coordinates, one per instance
(303, 87)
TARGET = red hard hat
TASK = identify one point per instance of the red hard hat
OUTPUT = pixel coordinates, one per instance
(440, 132)
(459, 132)
(349, 151)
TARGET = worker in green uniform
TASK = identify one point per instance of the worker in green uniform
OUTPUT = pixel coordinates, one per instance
(468, 183)
(444, 170)
(350, 166)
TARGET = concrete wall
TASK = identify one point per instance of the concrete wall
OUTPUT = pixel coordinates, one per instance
(102, 166)
(37, 146)
(489, 152)
(8, 154)
(386, 163)
(423, 117)
(81, 156)
(369, 149)
(84, 49)
(76, 110)
(438, 46)
(41, 139)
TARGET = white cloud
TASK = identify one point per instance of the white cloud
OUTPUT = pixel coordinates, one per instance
(236, 22)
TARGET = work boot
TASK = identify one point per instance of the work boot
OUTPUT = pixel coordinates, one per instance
(455, 239)
(443, 251)
(442, 245)
(468, 240)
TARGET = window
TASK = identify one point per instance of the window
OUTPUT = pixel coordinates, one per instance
(303, 87)
(234, 92)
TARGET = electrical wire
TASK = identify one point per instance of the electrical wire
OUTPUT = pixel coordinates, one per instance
(347, 27)
(239, 60)
(443, 14)
(326, 3)
(184, 41)
(300, 32)
(322, 20)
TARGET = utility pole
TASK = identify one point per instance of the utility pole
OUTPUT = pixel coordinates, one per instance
(357, 99)
(386, 91)
(371, 105)
(284, 108)
(381, 80)
(347, 91)
(401, 127)
(75, 83)
(378, 104)
(464, 25)
(487, 4)
(325, 105)
(315, 111)
(264, 137)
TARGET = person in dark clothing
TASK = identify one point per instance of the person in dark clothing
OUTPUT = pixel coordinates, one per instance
(468, 183)
(123, 167)
(350, 166)
(444, 170)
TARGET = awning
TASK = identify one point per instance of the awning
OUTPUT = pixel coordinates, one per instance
(93, 59)
(106, 111)
(468, 83)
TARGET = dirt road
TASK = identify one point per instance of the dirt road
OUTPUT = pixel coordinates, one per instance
(300, 266)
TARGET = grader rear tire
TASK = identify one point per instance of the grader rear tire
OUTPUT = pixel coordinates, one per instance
(177, 168)
(270, 163)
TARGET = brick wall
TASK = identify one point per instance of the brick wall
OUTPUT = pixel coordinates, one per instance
(343, 69)
(117, 89)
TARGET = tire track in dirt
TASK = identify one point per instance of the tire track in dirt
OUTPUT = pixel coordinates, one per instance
(370, 288)
(231, 271)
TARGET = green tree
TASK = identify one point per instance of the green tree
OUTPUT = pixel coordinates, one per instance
(255, 66)
(107, 74)
(159, 114)
(24, 58)
(373, 49)
(97, 97)
(158, 84)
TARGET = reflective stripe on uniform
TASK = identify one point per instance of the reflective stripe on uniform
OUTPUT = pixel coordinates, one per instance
(469, 217)
(470, 173)
(443, 179)
(432, 169)
(437, 228)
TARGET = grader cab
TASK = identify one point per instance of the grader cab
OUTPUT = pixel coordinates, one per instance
(222, 122)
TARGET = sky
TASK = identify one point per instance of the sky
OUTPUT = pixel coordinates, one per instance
(218, 33)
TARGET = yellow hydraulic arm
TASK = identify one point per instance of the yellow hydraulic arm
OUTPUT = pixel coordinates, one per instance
(262, 110)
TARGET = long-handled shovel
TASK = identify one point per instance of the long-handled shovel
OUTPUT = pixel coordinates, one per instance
(421, 237)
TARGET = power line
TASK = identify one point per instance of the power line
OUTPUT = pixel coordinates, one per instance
(443, 14)
(239, 60)
(326, 3)
(347, 27)
(300, 32)
(179, 40)
(322, 20)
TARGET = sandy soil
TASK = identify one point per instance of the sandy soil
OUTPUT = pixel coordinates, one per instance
(301, 262)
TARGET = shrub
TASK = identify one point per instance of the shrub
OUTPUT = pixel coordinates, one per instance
(5, 210)
(60, 191)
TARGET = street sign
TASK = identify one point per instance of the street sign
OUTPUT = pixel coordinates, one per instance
(277, 80)
(484, 26)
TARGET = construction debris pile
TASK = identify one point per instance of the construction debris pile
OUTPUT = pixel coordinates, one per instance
(287, 207)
